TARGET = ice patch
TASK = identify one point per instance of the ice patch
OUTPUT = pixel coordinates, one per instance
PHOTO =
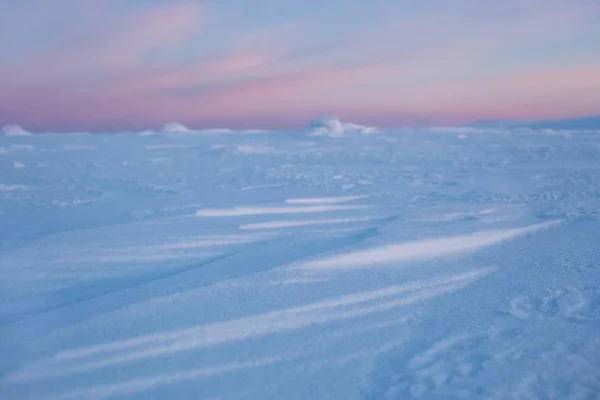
(18, 164)
(242, 211)
(422, 250)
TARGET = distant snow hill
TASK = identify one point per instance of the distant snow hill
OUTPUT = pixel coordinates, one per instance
(333, 127)
(14, 130)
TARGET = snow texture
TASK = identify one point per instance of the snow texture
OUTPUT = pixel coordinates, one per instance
(432, 263)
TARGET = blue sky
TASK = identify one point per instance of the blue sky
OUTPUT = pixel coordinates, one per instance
(132, 64)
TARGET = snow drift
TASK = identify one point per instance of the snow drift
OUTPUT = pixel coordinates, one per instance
(14, 130)
(176, 127)
(333, 127)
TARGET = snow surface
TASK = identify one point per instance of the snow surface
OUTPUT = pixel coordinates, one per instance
(412, 264)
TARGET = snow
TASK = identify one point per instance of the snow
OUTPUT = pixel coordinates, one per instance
(324, 200)
(14, 130)
(175, 127)
(239, 211)
(10, 188)
(412, 264)
(333, 127)
(421, 250)
(296, 223)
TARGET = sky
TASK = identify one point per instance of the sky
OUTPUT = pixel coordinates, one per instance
(99, 65)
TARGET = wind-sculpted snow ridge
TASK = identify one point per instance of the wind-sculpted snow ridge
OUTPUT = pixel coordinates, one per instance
(422, 250)
(246, 328)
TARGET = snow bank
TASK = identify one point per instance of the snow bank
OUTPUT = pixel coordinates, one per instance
(333, 127)
(176, 127)
(14, 130)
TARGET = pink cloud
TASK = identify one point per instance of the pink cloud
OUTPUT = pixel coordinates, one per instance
(531, 94)
(107, 78)
(103, 40)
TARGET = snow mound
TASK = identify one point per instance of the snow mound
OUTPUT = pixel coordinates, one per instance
(333, 127)
(176, 127)
(14, 130)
